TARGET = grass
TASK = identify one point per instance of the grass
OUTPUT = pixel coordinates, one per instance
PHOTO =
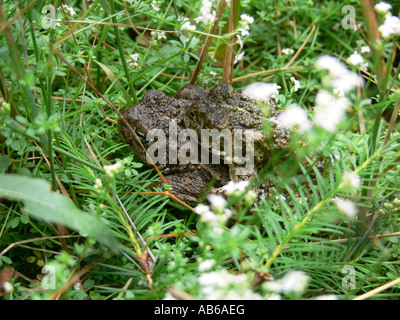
(62, 90)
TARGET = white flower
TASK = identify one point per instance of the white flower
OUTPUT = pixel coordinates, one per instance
(248, 19)
(205, 212)
(233, 187)
(206, 265)
(159, 35)
(246, 294)
(8, 287)
(133, 59)
(329, 111)
(218, 285)
(154, 5)
(113, 169)
(239, 57)
(326, 297)
(261, 90)
(288, 51)
(70, 9)
(220, 278)
(206, 16)
(291, 282)
(209, 216)
(346, 207)
(351, 181)
(296, 83)
(332, 64)
(339, 77)
(217, 202)
(186, 25)
(365, 49)
(347, 82)
(356, 59)
(338, 93)
(245, 21)
(383, 7)
(240, 41)
(391, 26)
(295, 116)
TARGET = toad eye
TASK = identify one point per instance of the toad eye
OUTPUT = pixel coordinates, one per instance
(140, 134)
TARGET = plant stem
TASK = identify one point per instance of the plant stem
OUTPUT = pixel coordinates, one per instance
(207, 42)
(121, 53)
(229, 56)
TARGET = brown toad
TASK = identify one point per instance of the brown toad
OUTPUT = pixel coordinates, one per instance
(158, 122)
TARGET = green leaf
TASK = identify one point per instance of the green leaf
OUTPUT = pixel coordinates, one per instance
(4, 163)
(6, 260)
(41, 203)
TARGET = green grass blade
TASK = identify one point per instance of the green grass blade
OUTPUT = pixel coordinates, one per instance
(43, 204)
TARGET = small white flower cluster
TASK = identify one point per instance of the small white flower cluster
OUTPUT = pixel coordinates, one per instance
(216, 214)
(339, 77)
(244, 24)
(391, 25)
(206, 265)
(222, 285)
(155, 5)
(288, 51)
(238, 57)
(292, 282)
(346, 207)
(383, 8)
(244, 28)
(186, 24)
(329, 109)
(295, 116)
(68, 8)
(113, 169)
(157, 36)
(296, 84)
(357, 60)
(261, 91)
(206, 15)
(350, 183)
(365, 49)
(236, 188)
(133, 60)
